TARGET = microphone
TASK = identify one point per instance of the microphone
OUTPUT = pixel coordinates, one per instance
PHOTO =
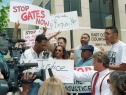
(50, 72)
(20, 40)
(28, 65)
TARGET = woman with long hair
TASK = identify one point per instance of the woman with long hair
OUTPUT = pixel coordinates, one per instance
(117, 81)
(60, 53)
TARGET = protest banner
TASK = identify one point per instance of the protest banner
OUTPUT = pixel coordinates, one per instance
(64, 21)
(29, 14)
(79, 86)
(62, 69)
(30, 35)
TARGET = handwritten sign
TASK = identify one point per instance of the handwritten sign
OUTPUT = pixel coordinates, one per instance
(29, 14)
(79, 86)
(64, 21)
(30, 35)
(62, 69)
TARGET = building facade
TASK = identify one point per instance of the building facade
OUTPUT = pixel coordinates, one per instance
(93, 15)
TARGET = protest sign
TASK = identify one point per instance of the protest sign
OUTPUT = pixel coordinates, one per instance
(79, 86)
(30, 35)
(62, 69)
(64, 21)
(29, 14)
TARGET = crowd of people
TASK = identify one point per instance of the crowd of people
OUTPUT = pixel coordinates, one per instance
(107, 78)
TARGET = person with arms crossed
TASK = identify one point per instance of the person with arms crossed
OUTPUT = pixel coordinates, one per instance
(98, 76)
(117, 53)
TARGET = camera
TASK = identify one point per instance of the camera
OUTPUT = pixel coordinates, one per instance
(13, 72)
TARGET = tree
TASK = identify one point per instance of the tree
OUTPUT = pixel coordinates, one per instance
(4, 17)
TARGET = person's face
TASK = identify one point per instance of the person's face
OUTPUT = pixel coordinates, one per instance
(41, 46)
(109, 36)
(61, 43)
(59, 52)
(86, 54)
(84, 40)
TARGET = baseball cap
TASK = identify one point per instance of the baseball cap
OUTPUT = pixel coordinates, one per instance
(87, 47)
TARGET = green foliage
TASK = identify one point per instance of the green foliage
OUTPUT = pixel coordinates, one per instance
(4, 18)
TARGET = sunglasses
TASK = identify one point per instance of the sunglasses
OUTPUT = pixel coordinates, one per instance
(58, 50)
(108, 81)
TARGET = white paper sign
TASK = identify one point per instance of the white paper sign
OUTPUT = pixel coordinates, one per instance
(79, 86)
(30, 35)
(64, 21)
(29, 14)
(62, 69)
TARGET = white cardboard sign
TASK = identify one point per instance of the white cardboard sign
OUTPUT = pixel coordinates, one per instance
(62, 69)
(64, 21)
(30, 35)
(29, 14)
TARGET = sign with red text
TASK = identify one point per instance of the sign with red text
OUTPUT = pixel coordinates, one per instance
(64, 21)
(62, 69)
(30, 35)
(79, 86)
(29, 14)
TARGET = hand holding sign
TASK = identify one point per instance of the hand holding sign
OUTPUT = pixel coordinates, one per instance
(29, 14)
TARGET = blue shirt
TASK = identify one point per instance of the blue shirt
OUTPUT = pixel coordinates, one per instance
(83, 62)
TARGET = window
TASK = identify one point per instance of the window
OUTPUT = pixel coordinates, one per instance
(73, 5)
(101, 13)
(48, 6)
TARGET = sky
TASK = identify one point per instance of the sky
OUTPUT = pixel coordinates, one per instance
(7, 2)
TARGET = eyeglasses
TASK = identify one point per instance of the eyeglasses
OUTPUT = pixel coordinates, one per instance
(108, 81)
(58, 50)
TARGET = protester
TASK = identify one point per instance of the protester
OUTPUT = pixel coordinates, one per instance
(98, 76)
(117, 81)
(117, 53)
(35, 52)
(60, 53)
(86, 59)
(52, 86)
(86, 56)
(85, 38)
(61, 41)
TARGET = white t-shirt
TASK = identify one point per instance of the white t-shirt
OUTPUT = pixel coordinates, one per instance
(117, 53)
(77, 53)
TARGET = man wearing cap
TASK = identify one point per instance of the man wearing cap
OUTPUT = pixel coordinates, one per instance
(84, 40)
(86, 56)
